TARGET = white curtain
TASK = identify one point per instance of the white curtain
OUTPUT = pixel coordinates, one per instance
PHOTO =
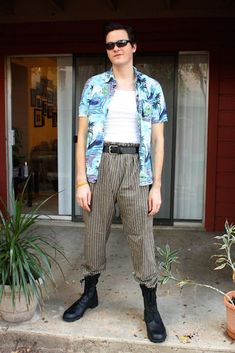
(64, 124)
(191, 136)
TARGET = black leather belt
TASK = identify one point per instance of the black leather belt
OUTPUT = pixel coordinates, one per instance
(121, 149)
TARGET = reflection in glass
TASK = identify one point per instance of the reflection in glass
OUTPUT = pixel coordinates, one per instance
(191, 136)
(37, 119)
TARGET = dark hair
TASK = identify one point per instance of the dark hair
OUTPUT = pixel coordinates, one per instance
(113, 26)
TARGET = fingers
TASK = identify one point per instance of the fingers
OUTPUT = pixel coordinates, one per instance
(89, 198)
(83, 197)
(150, 206)
(153, 209)
(154, 201)
(85, 205)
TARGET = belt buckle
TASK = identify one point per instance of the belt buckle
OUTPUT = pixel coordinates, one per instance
(110, 148)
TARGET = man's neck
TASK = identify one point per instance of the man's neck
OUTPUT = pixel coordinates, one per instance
(125, 77)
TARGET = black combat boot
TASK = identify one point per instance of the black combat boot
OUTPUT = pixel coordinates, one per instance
(89, 299)
(155, 328)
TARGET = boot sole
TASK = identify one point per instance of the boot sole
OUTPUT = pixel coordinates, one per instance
(92, 306)
(157, 341)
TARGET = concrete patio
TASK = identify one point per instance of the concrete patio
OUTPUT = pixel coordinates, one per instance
(195, 317)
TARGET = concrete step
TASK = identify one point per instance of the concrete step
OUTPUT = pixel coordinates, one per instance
(14, 342)
(195, 318)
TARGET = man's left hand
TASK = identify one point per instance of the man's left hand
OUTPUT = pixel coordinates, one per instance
(154, 200)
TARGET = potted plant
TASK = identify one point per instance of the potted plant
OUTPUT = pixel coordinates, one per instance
(169, 257)
(25, 261)
(227, 240)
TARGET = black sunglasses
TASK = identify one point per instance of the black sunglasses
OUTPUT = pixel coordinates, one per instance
(119, 43)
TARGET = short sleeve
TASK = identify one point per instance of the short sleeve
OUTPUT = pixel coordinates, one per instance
(159, 106)
(85, 98)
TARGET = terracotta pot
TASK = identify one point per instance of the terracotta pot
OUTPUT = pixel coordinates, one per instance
(230, 314)
(20, 312)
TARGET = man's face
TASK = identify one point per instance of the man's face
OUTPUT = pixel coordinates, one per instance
(123, 55)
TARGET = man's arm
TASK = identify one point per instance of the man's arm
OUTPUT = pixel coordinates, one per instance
(154, 200)
(83, 193)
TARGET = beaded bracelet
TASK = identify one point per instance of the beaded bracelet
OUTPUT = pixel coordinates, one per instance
(81, 184)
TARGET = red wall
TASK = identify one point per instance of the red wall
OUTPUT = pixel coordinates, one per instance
(225, 176)
(3, 167)
(161, 35)
(213, 103)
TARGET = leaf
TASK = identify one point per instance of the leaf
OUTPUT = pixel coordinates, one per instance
(165, 280)
(24, 255)
(220, 267)
(160, 251)
(218, 237)
(168, 248)
(224, 246)
(220, 260)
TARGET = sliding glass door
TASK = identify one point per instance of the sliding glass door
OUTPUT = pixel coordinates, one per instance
(41, 126)
(184, 79)
(163, 69)
(43, 100)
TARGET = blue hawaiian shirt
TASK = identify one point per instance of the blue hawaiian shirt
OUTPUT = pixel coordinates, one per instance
(151, 109)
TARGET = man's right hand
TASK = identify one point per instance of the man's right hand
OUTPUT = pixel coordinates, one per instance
(83, 197)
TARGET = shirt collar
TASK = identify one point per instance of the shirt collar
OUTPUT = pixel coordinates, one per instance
(109, 76)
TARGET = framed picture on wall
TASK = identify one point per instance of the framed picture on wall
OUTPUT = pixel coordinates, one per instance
(54, 119)
(44, 107)
(39, 88)
(55, 97)
(50, 84)
(49, 111)
(38, 102)
(49, 96)
(44, 81)
(33, 94)
(38, 118)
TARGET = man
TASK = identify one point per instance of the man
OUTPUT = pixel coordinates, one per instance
(119, 160)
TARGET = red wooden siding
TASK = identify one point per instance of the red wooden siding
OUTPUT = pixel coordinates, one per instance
(226, 118)
(225, 165)
(3, 167)
(225, 178)
(212, 141)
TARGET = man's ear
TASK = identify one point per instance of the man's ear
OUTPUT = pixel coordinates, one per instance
(134, 47)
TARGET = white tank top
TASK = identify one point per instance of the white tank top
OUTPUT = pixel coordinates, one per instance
(121, 123)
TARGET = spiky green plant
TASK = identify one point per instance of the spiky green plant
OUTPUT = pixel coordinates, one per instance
(25, 263)
(169, 257)
(227, 240)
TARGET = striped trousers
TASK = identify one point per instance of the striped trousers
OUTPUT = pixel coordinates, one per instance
(118, 182)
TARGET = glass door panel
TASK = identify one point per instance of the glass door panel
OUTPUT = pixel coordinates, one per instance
(191, 136)
(183, 184)
(39, 105)
(162, 68)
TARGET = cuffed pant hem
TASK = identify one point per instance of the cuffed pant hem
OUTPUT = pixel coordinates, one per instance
(87, 272)
(149, 282)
